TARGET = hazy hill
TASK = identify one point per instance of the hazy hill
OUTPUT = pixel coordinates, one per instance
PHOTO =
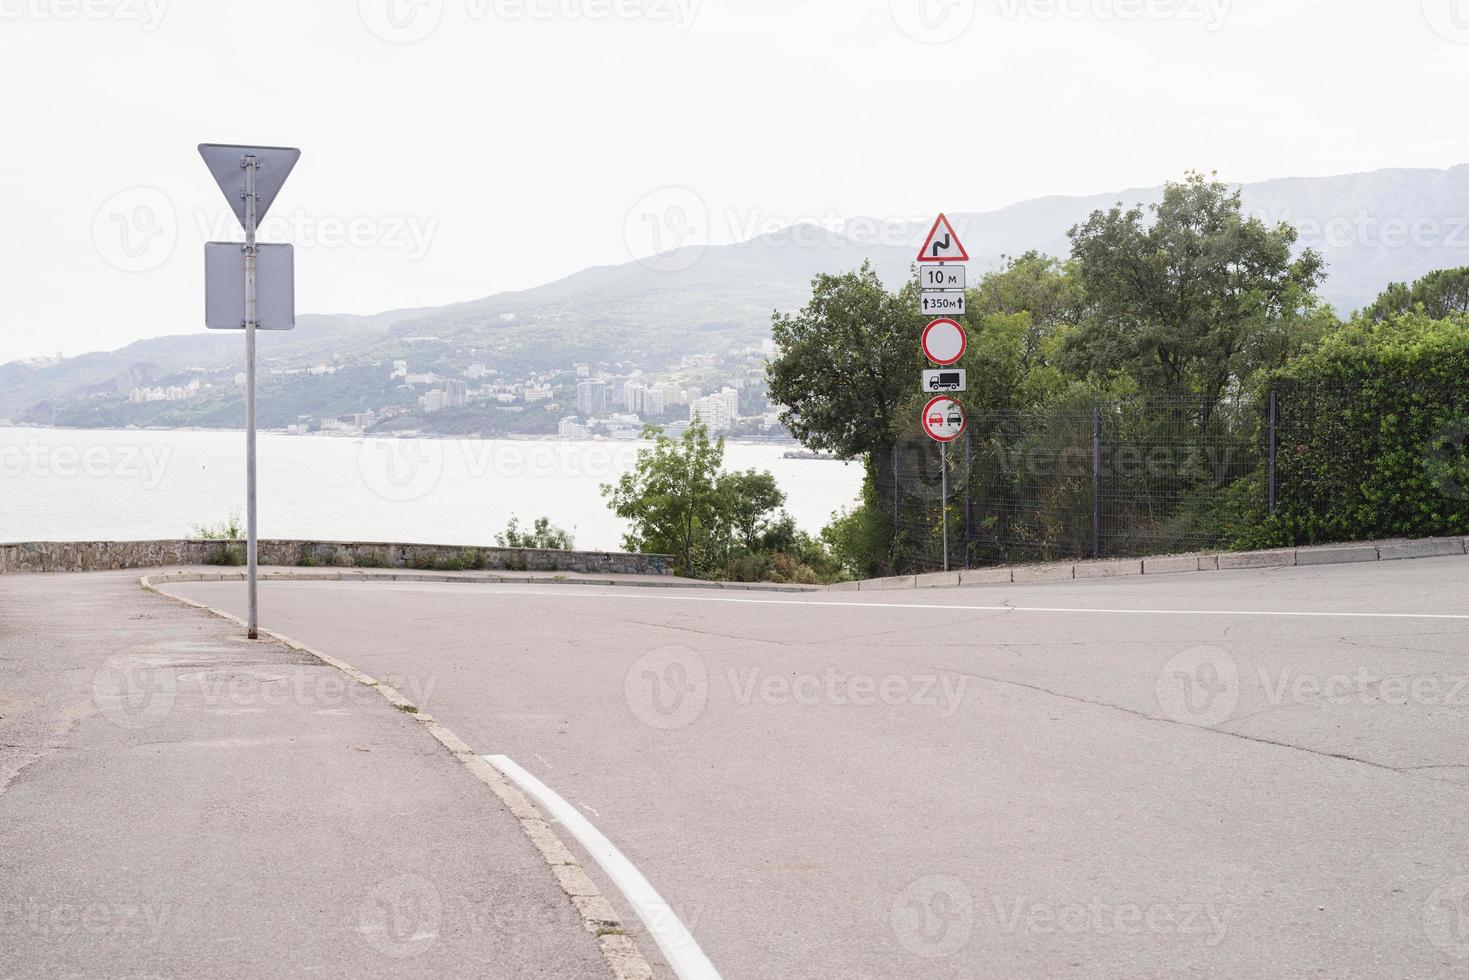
(1373, 228)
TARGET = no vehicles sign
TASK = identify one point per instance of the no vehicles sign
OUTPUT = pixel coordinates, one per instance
(944, 341)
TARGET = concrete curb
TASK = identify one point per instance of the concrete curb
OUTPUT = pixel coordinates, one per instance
(1426, 548)
(1336, 556)
(1108, 569)
(1367, 551)
(482, 578)
(598, 917)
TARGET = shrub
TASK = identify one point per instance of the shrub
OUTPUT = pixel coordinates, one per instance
(229, 529)
(1374, 434)
(543, 535)
(859, 540)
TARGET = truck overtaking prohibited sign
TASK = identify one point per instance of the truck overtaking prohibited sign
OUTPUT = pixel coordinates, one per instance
(943, 419)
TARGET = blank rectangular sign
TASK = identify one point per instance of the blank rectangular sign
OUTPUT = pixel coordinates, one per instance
(224, 286)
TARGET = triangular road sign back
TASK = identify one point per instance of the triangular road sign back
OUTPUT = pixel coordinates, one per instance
(942, 244)
(274, 165)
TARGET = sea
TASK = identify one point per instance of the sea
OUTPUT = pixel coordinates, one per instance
(101, 484)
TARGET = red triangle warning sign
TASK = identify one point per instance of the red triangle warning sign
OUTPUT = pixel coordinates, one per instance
(942, 244)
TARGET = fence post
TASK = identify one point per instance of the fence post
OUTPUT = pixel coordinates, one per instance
(1097, 481)
(893, 468)
(968, 474)
(1270, 446)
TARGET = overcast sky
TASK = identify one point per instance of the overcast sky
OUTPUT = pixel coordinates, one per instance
(457, 148)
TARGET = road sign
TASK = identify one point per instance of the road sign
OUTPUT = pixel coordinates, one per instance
(935, 303)
(943, 419)
(224, 286)
(250, 177)
(941, 277)
(273, 165)
(944, 341)
(942, 244)
(948, 379)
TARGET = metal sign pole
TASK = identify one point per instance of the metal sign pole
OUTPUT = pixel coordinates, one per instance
(252, 627)
(944, 475)
(250, 177)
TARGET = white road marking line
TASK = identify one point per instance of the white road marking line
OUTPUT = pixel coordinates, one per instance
(930, 606)
(677, 944)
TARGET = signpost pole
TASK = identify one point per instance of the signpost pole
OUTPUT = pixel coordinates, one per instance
(252, 626)
(250, 177)
(944, 476)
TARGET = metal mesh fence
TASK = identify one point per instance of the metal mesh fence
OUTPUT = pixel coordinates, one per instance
(1332, 461)
(1124, 478)
(927, 478)
(1172, 477)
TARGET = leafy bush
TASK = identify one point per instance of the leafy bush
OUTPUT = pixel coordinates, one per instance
(543, 535)
(226, 554)
(229, 529)
(770, 566)
(858, 540)
(1374, 437)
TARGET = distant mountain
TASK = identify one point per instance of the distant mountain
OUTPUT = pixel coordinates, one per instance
(1373, 228)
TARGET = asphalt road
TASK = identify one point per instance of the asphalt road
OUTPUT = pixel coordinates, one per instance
(176, 801)
(1254, 773)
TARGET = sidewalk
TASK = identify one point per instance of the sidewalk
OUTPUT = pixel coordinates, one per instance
(177, 801)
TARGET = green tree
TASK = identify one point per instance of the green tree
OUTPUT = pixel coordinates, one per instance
(1041, 286)
(672, 498)
(845, 374)
(1193, 299)
(748, 497)
(1441, 294)
(845, 363)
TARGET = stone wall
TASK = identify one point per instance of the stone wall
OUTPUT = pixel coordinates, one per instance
(89, 556)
